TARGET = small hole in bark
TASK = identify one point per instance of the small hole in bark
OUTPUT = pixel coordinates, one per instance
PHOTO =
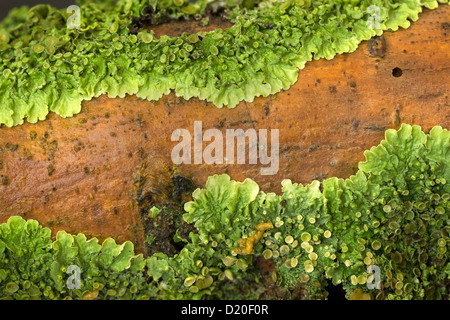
(397, 72)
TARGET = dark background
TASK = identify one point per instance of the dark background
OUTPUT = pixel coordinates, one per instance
(6, 5)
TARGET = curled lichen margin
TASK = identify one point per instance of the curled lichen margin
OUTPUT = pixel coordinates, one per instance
(47, 67)
(393, 214)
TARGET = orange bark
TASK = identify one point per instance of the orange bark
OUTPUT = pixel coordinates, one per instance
(82, 174)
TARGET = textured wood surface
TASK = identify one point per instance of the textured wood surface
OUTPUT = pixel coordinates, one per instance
(87, 173)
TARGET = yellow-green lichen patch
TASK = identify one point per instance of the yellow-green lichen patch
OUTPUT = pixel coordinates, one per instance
(411, 264)
(49, 65)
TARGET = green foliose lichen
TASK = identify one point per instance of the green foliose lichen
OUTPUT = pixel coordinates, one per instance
(392, 216)
(34, 267)
(47, 65)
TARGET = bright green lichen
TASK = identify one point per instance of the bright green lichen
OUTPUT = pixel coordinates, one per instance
(47, 67)
(400, 188)
(394, 214)
(35, 267)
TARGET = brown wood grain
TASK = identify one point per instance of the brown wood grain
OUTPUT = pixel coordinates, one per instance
(84, 174)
